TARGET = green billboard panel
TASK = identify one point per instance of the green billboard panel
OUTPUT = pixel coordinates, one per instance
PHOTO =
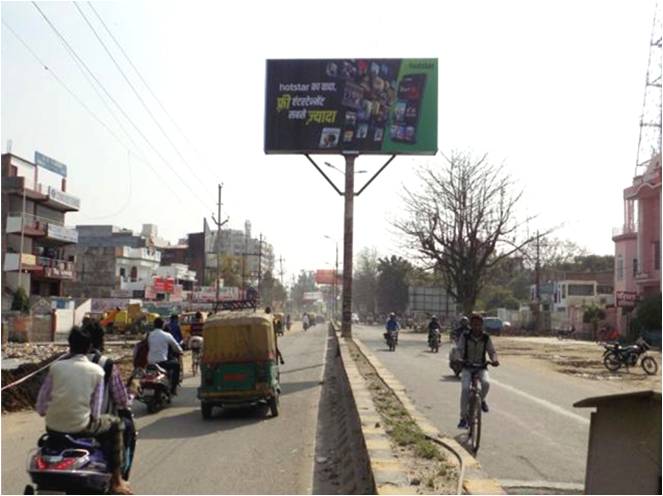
(378, 106)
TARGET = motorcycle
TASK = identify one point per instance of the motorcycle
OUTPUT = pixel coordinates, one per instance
(615, 356)
(434, 341)
(73, 465)
(155, 387)
(392, 340)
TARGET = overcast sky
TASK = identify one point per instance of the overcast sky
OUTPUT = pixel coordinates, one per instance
(552, 89)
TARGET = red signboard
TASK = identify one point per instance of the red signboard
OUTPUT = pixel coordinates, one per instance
(626, 299)
(326, 277)
(164, 285)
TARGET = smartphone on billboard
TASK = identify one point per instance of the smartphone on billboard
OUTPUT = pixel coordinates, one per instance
(405, 115)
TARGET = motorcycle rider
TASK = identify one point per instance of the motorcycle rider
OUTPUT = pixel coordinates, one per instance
(392, 326)
(464, 327)
(472, 348)
(117, 400)
(174, 328)
(71, 399)
(159, 342)
(305, 321)
(433, 325)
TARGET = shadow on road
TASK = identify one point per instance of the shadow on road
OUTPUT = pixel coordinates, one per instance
(450, 378)
(290, 371)
(295, 387)
(191, 424)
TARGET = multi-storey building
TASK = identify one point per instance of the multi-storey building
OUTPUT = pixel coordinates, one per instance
(34, 235)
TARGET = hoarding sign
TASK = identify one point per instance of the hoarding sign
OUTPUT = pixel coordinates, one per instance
(326, 277)
(50, 164)
(378, 106)
(626, 299)
(312, 296)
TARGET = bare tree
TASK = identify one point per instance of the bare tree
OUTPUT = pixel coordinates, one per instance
(462, 222)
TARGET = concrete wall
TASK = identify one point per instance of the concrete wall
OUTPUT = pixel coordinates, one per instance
(64, 319)
(625, 448)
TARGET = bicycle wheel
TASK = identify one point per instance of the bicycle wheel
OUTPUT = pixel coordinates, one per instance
(475, 424)
(649, 365)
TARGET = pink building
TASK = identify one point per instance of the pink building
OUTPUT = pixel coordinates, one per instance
(638, 242)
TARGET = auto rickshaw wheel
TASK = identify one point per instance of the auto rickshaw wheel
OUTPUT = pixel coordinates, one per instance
(274, 405)
(206, 410)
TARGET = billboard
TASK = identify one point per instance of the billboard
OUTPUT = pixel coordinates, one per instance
(51, 164)
(378, 106)
(324, 276)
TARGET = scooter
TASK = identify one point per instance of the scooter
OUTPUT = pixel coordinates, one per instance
(392, 340)
(155, 387)
(73, 465)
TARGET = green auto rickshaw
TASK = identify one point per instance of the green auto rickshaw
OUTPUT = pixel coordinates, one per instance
(239, 362)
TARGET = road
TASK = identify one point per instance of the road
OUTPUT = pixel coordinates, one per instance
(532, 432)
(239, 452)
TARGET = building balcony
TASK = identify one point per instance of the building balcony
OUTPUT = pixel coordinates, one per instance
(143, 254)
(40, 227)
(624, 232)
(23, 261)
(52, 268)
(18, 185)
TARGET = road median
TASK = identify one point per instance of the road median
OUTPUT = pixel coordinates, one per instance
(473, 477)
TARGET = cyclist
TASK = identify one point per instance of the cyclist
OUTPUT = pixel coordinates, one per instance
(472, 348)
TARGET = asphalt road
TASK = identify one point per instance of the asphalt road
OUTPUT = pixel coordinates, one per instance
(238, 452)
(532, 433)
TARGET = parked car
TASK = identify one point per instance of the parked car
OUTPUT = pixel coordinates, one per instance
(493, 325)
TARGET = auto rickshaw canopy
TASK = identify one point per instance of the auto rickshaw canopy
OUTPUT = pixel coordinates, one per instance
(239, 336)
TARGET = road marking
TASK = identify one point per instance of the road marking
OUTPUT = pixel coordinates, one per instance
(544, 403)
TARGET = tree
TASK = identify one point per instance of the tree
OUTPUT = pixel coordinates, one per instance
(231, 270)
(647, 316)
(21, 302)
(593, 314)
(462, 221)
(305, 283)
(392, 287)
(273, 291)
(365, 280)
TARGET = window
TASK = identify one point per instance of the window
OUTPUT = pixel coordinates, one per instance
(123, 273)
(134, 274)
(657, 255)
(619, 270)
(604, 289)
(563, 291)
(635, 266)
(581, 290)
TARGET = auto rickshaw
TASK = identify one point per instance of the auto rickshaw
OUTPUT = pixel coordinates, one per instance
(239, 363)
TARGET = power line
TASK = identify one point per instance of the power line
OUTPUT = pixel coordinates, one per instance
(140, 98)
(81, 103)
(151, 145)
(149, 89)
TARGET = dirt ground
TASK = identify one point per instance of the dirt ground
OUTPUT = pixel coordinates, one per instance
(580, 359)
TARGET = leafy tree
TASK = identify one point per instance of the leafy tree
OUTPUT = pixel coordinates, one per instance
(231, 270)
(462, 221)
(273, 291)
(392, 287)
(593, 314)
(21, 302)
(305, 283)
(494, 297)
(647, 316)
(365, 280)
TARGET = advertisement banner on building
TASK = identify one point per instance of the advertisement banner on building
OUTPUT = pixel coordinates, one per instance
(208, 294)
(50, 164)
(312, 296)
(163, 284)
(377, 106)
(626, 299)
(327, 277)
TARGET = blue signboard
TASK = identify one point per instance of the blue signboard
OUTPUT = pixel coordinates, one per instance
(50, 164)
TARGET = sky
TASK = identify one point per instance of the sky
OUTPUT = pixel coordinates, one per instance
(553, 90)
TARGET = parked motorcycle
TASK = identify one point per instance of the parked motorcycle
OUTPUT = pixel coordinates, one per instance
(392, 340)
(434, 341)
(616, 356)
(155, 387)
(73, 465)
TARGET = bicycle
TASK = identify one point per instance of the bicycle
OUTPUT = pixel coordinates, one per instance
(474, 415)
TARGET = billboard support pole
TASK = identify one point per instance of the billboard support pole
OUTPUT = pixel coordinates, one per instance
(324, 175)
(375, 175)
(346, 325)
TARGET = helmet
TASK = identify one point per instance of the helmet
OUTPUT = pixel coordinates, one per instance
(392, 314)
(464, 320)
(434, 317)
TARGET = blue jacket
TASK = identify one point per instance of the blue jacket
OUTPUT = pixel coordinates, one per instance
(392, 325)
(174, 329)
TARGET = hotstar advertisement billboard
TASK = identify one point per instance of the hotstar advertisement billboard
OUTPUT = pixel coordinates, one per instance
(378, 106)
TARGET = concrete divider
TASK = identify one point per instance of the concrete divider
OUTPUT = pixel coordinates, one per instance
(475, 480)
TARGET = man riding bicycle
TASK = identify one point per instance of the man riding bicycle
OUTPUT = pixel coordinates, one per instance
(472, 348)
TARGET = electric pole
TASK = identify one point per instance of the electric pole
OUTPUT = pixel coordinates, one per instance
(218, 223)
